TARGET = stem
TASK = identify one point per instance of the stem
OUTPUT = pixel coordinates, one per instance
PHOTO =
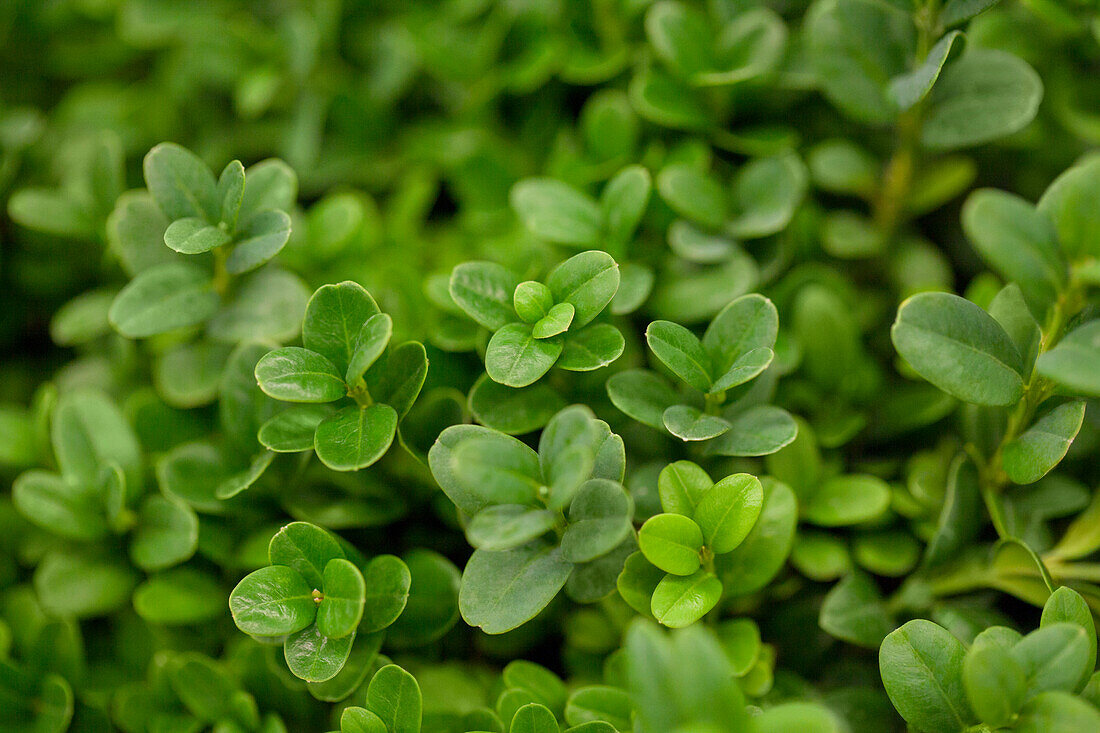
(221, 275)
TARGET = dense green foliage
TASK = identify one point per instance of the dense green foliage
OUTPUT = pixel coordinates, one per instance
(532, 366)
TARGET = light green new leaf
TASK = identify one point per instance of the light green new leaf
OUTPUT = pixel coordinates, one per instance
(958, 347)
(361, 720)
(557, 212)
(273, 601)
(164, 298)
(515, 358)
(484, 291)
(672, 542)
(1044, 444)
(682, 600)
(355, 437)
(294, 374)
(532, 301)
(1054, 657)
(1067, 605)
(502, 590)
(588, 281)
(192, 236)
(728, 511)
(680, 485)
(231, 193)
(556, 321)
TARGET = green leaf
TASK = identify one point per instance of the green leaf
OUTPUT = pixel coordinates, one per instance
(1056, 712)
(533, 718)
(1010, 310)
(192, 236)
(344, 596)
(167, 533)
(845, 500)
(588, 281)
(557, 212)
(921, 665)
(758, 431)
(294, 374)
(394, 696)
(680, 36)
(398, 376)
(672, 542)
(314, 657)
(1054, 657)
(263, 237)
(592, 347)
(599, 703)
(532, 301)
(556, 321)
(484, 291)
(666, 101)
(334, 317)
(746, 325)
(179, 596)
(505, 526)
(361, 720)
(693, 194)
(1044, 444)
(272, 601)
(690, 424)
(51, 212)
(515, 358)
(1018, 242)
(291, 431)
(1067, 605)
(623, 203)
(135, 232)
(637, 581)
(727, 511)
(599, 520)
(387, 582)
(682, 600)
(961, 515)
(910, 88)
(59, 506)
(680, 486)
(984, 95)
(958, 347)
(957, 11)
(164, 298)
(995, 684)
(1070, 362)
(181, 183)
(306, 548)
(853, 610)
(355, 437)
(766, 194)
(801, 716)
(1068, 203)
(567, 453)
(502, 590)
(267, 306)
(642, 395)
(681, 352)
(513, 411)
(270, 184)
(231, 193)
(370, 343)
(82, 585)
(190, 374)
(89, 433)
